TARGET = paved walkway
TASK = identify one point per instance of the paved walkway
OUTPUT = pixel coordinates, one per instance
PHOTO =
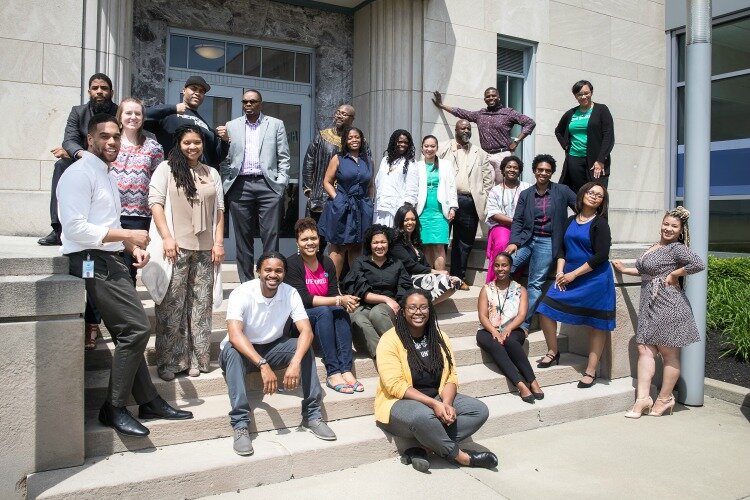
(695, 453)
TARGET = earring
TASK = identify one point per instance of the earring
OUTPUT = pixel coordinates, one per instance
(297, 249)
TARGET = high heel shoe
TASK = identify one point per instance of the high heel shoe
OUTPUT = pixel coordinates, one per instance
(554, 360)
(668, 406)
(639, 409)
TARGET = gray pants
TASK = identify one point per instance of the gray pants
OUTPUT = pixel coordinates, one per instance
(278, 354)
(251, 200)
(369, 322)
(114, 295)
(412, 419)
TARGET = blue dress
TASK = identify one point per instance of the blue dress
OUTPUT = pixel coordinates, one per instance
(590, 299)
(346, 217)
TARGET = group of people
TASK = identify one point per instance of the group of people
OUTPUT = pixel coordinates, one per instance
(122, 206)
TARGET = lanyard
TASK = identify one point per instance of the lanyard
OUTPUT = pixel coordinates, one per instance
(499, 307)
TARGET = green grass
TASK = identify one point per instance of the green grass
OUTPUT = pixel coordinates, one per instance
(729, 304)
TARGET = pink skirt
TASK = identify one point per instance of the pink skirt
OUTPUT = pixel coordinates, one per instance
(497, 240)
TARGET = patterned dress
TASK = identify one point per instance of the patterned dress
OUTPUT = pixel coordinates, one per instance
(665, 317)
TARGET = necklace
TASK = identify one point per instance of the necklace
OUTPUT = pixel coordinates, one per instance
(421, 343)
(584, 220)
(512, 200)
(499, 308)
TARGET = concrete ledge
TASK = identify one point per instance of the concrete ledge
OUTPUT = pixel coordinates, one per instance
(209, 467)
(38, 296)
(731, 393)
(23, 256)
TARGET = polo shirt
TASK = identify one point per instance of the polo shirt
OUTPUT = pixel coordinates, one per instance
(263, 319)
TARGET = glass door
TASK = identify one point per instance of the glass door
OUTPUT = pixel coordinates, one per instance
(222, 104)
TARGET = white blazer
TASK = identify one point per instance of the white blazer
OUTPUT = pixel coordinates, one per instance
(446, 193)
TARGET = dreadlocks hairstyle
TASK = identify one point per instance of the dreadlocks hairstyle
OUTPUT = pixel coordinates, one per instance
(435, 341)
(683, 214)
(178, 163)
(435, 166)
(392, 154)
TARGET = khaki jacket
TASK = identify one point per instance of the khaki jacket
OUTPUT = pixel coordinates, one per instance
(481, 174)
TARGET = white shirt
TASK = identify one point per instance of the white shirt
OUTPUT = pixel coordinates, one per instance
(88, 204)
(251, 162)
(263, 319)
(394, 188)
(503, 200)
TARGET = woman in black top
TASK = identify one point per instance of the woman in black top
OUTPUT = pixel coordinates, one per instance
(314, 277)
(587, 134)
(380, 281)
(407, 247)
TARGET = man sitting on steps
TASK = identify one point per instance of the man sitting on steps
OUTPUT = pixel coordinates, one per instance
(257, 313)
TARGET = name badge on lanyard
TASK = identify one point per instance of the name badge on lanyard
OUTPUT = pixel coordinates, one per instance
(87, 270)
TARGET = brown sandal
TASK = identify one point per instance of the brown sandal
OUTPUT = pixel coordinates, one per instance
(92, 332)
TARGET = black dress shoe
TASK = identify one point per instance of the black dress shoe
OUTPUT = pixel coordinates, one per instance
(158, 408)
(483, 459)
(121, 421)
(51, 240)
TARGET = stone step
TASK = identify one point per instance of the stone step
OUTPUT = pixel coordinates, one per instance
(282, 410)
(456, 324)
(210, 466)
(466, 351)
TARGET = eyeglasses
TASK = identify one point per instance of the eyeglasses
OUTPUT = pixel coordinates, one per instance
(250, 101)
(412, 308)
(595, 195)
(583, 94)
(344, 114)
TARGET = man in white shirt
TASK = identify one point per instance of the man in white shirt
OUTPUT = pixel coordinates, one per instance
(89, 210)
(257, 313)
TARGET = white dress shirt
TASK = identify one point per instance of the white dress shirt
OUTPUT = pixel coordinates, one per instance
(393, 188)
(263, 319)
(251, 164)
(88, 204)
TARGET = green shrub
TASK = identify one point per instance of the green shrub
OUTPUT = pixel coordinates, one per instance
(729, 304)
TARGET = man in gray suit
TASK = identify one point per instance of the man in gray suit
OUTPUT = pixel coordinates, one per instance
(255, 174)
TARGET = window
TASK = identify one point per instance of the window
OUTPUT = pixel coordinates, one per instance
(219, 56)
(729, 206)
(513, 63)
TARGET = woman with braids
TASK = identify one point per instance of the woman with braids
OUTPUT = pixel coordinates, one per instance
(187, 203)
(417, 396)
(665, 318)
(407, 247)
(397, 181)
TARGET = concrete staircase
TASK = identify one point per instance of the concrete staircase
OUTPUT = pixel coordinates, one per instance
(188, 459)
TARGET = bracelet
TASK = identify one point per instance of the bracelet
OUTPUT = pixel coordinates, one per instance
(558, 274)
(338, 300)
(218, 244)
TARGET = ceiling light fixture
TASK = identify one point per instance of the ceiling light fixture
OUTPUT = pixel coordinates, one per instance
(209, 51)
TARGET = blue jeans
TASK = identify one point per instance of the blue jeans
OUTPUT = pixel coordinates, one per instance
(278, 354)
(537, 253)
(333, 330)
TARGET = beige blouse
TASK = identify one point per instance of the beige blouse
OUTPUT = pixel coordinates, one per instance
(192, 223)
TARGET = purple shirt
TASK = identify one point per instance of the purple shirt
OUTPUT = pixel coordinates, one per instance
(494, 126)
(251, 163)
(542, 220)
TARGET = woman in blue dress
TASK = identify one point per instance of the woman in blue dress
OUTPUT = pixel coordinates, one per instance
(348, 213)
(584, 288)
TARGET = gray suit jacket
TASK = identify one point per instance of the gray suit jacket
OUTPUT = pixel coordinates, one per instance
(274, 153)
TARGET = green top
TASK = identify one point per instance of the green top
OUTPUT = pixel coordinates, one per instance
(579, 123)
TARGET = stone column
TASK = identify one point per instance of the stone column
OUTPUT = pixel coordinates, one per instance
(107, 43)
(388, 70)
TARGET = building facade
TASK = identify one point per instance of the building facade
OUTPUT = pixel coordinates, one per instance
(386, 57)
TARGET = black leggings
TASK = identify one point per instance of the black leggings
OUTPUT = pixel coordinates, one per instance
(510, 358)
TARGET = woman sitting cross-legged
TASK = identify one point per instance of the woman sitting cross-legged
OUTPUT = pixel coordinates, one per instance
(407, 247)
(314, 277)
(379, 281)
(417, 396)
(502, 306)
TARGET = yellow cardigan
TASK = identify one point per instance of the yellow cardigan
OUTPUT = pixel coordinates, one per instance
(395, 374)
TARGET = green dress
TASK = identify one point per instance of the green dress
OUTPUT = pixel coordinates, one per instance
(434, 224)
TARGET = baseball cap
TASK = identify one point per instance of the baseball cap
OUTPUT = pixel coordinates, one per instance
(198, 80)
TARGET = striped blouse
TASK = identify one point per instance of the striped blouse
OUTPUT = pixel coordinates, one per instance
(132, 169)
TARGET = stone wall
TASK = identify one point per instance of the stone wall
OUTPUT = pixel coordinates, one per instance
(330, 33)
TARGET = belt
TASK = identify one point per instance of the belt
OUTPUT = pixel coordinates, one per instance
(500, 150)
(252, 177)
(465, 194)
(97, 251)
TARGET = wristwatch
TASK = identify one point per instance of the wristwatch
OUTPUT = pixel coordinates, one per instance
(261, 362)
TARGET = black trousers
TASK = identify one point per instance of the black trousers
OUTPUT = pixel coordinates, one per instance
(510, 358)
(133, 222)
(579, 173)
(61, 166)
(465, 225)
(114, 295)
(251, 200)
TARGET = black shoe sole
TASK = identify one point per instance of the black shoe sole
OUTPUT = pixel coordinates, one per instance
(147, 416)
(122, 433)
